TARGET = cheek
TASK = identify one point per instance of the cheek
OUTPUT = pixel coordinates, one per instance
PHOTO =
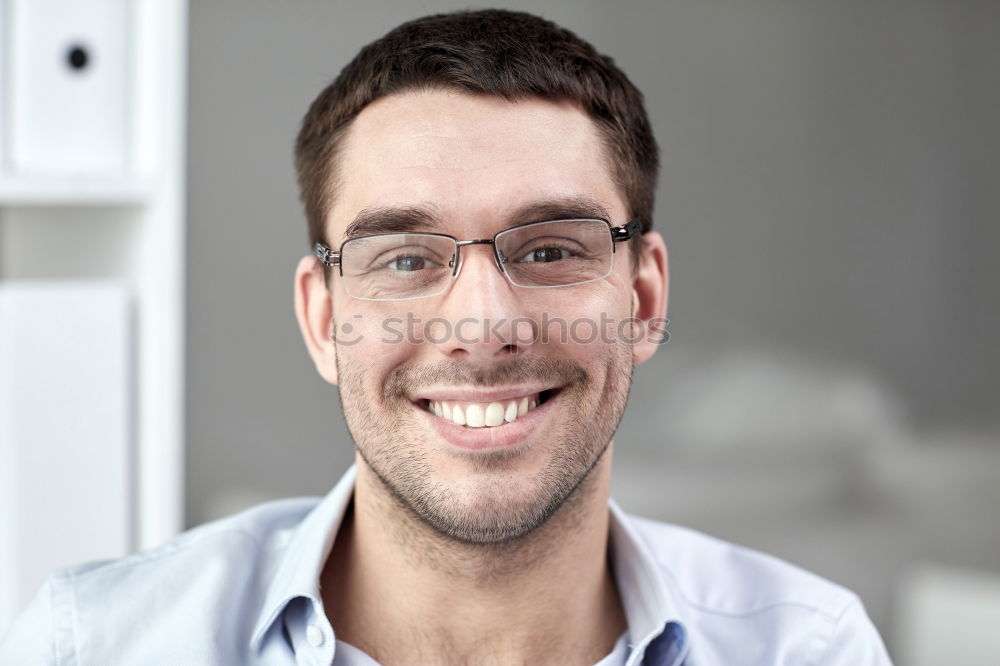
(590, 315)
(371, 342)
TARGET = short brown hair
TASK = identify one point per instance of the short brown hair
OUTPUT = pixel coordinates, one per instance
(513, 55)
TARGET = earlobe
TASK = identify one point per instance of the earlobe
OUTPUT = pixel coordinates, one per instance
(650, 289)
(314, 312)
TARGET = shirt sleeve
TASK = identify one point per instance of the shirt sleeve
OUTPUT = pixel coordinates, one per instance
(855, 641)
(30, 639)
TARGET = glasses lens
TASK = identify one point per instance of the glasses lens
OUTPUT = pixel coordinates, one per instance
(397, 266)
(558, 253)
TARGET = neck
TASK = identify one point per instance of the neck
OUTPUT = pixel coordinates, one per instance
(405, 594)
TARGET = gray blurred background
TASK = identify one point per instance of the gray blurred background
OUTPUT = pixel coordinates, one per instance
(830, 198)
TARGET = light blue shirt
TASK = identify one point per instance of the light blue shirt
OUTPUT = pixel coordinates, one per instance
(245, 591)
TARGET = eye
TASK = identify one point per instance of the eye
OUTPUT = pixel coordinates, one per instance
(411, 262)
(545, 254)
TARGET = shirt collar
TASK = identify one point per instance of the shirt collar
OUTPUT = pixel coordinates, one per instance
(303, 557)
(650, 604)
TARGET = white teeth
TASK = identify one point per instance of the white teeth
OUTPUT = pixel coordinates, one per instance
(494, 414)
(483, 415)
(474, 416)
(522, 406)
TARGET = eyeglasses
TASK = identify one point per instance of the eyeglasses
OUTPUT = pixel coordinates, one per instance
(406, 266)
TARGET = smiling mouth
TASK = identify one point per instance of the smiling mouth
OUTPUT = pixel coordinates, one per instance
(486, 414)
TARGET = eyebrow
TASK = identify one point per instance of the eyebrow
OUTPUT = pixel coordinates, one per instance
(391, 220)
(559, 208)
(410, 219)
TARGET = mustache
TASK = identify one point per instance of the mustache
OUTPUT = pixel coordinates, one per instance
(402, 380)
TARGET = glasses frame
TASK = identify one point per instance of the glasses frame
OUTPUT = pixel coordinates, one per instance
(331, 258)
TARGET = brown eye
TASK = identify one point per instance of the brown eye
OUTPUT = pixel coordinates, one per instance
(544, 255)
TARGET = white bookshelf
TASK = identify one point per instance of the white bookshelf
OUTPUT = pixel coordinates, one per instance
(37, 191)
(121, 226)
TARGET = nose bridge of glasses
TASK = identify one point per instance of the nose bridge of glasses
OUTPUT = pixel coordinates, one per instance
(497, 259)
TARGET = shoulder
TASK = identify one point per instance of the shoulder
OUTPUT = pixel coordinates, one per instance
(736, 600)
(202, 552)
(189, 581)
(720, 576)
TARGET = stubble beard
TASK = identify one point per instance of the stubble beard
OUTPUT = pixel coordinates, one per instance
(501, 508)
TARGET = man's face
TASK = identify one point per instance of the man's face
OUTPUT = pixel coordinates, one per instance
(473, 165)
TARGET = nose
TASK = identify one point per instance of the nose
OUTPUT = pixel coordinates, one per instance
(486, 314)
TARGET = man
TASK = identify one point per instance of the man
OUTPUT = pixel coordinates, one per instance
(476, 186)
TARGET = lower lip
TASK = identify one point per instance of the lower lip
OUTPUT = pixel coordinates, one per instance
(489, 438)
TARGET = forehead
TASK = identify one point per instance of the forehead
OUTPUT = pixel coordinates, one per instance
(469, 159)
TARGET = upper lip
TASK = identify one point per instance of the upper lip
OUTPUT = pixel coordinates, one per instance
(479, 394)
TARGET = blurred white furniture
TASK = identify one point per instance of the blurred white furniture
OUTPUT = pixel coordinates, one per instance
(814, 460)
(68, 92)
(92, 108)
(65, 445)
(948, 616)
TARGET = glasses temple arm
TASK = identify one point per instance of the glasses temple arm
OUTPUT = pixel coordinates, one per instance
(326, 255)
(627, 231)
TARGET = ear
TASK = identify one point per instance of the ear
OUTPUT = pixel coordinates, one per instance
(314, 312)
(650, 289)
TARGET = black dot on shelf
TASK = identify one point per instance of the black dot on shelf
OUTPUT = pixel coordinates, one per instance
(77, 57)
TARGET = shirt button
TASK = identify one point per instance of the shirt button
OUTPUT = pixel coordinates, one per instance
(314, 635)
